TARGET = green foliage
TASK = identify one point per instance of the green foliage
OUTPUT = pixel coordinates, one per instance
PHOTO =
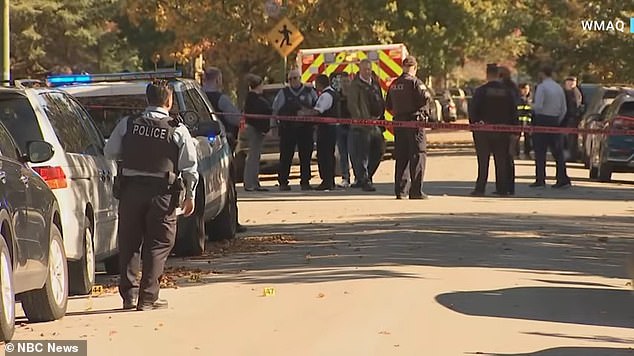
(111, 35)
(47, 34)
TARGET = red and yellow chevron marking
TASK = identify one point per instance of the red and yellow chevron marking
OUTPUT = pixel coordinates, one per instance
(387, 67)
(311, 67)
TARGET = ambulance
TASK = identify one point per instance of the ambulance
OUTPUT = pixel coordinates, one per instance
(387, 61)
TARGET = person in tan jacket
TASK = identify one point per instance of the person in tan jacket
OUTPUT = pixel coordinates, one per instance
(365, 101)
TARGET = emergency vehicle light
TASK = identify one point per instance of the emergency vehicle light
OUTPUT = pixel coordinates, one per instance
(57, 80)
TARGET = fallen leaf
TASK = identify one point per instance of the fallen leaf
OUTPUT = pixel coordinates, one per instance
(160, 324)
(156, 329)
(384, 333)
(321, 295)
(112, 332)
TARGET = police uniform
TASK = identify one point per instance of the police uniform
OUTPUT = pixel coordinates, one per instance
(328, 106)
(493, 103)
(408, 99)
(289, 102)
(154, 150)
(525, 115)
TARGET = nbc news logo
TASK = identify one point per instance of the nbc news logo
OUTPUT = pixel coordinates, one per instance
(606, 26)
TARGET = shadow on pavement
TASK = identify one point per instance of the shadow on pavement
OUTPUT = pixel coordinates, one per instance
(584, 306)
(567, 246)
(571, 351)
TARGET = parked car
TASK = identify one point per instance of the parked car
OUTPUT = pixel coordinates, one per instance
(449, 110)
(599, 98)
(614, 153)
(78, 173)
(33, 266)
(110, 97)
(461, 101)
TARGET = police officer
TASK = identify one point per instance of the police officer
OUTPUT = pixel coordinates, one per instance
(327, 106)
(493, 103)
(221, 103)
(157, 161)
(525, 115)
(409, 98)
(289, 102)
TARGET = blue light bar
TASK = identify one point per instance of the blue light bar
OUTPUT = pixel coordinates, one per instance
(69, 79)
(57, 80)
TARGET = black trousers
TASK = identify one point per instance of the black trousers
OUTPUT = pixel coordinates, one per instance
(326, 141)
(147, 222)
(291, 136)
(496, 144)
(410, 151)
(544, 141)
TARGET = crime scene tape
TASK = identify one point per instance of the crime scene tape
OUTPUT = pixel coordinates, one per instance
(451, 126)
(476, 127)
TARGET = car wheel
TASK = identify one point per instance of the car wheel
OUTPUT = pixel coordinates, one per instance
(604, 172)
(224, 226)
(111, 265)
(190, 236)
(7, 296)
(49, 303)
(82, 272)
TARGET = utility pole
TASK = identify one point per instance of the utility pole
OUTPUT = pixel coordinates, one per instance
(6, 59)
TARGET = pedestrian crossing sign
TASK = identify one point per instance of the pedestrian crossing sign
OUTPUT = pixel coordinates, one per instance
(285, 37)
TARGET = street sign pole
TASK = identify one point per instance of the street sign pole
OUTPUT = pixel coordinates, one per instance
(6, 59)
(285, 63)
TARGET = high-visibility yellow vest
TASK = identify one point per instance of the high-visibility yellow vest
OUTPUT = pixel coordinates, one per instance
(525, 113)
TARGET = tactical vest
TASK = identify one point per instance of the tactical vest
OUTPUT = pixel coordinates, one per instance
(293, 103)
(335, 110)
(524, 113)
(148, 145)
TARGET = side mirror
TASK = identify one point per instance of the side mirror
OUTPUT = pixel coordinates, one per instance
(39, 151)
(208, 129)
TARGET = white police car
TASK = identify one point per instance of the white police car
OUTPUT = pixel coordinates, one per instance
(110, 97)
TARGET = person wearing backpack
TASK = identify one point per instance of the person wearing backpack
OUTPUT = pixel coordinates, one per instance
(365, 101)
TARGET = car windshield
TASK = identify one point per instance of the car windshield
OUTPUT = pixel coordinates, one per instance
(19, 118)
(627, 109)
(106, 111)
(611, 94)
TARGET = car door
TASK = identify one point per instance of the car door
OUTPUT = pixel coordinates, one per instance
(211, 155)
(106, 205)
(31, 244)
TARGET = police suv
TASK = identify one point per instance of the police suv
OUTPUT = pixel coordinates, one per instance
(78, 174)
(110, 97)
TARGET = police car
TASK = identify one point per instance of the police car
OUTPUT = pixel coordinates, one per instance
(78, 173)
(110, 97)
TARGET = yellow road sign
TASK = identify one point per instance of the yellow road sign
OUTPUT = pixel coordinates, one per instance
(285, 37)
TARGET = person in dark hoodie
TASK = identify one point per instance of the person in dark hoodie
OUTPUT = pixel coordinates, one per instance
(493, 104)
(256, 129)
(505, 78)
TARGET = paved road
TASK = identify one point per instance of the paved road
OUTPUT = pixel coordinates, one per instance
(354, 273)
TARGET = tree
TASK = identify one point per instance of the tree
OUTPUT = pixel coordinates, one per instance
(232, 33)
(46, 34)
(556, 36)
(445, 34)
